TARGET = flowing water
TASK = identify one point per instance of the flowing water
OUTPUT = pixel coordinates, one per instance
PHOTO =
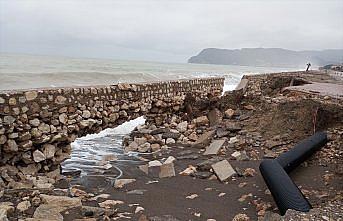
(95, 154)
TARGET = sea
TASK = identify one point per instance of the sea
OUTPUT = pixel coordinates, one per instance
(96, 154)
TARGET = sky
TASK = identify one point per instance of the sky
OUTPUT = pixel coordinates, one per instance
(166, 30)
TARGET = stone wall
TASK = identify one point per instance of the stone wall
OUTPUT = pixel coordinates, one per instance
(38, 125)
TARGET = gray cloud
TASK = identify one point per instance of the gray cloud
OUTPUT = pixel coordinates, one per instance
(166, 30)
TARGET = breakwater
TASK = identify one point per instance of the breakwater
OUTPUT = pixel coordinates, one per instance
(38, 125)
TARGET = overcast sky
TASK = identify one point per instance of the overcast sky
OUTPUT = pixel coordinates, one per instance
(166, 30)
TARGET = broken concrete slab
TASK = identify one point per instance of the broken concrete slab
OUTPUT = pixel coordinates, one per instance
(214, 147)
(223, 170)
(167, 170)
(243, 84)
(156, 169)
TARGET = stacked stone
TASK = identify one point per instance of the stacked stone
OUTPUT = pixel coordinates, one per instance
(37, 126)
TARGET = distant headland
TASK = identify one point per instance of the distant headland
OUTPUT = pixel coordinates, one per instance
(272, 57)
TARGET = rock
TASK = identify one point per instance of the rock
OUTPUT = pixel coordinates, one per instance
(202, 175)
(233, 140)
(38, 156)
(86, 114)
(30, 169)
(9, 120)
(6, 208)
(192, 196)
(140, 140)
(172, 135)
(214, 147)
(102, 196)
(223, 170)
(108, 204)
(48, 213)
(12, 101)
(188, 171)
(249, 107)
(76, 192)
(201, 121)
(34, 122)
(95, 212)
(204, 139)
(36, 201)
(144, 148)
(241, 217)
(10, 146)
(240, 155)
(63, 202)
(249, 172)
(60, 100)
(170, 141)
(215, 117)
(193, 136)
(220, 132)
(206, 164)
(159, 131)
(270, 216)
(232, 127)
(49, 151)
(120, 183)
(155, 147)
(3, 139)
(63, 118)
(182, 127)
(133, 146)
(229, 113)
(139, 209)
(23, 206)
(31, 95)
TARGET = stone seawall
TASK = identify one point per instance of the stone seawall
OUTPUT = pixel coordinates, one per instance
(38, 125)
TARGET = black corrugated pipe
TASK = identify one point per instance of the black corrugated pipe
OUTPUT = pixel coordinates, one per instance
(274, 172)
(303, 150)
